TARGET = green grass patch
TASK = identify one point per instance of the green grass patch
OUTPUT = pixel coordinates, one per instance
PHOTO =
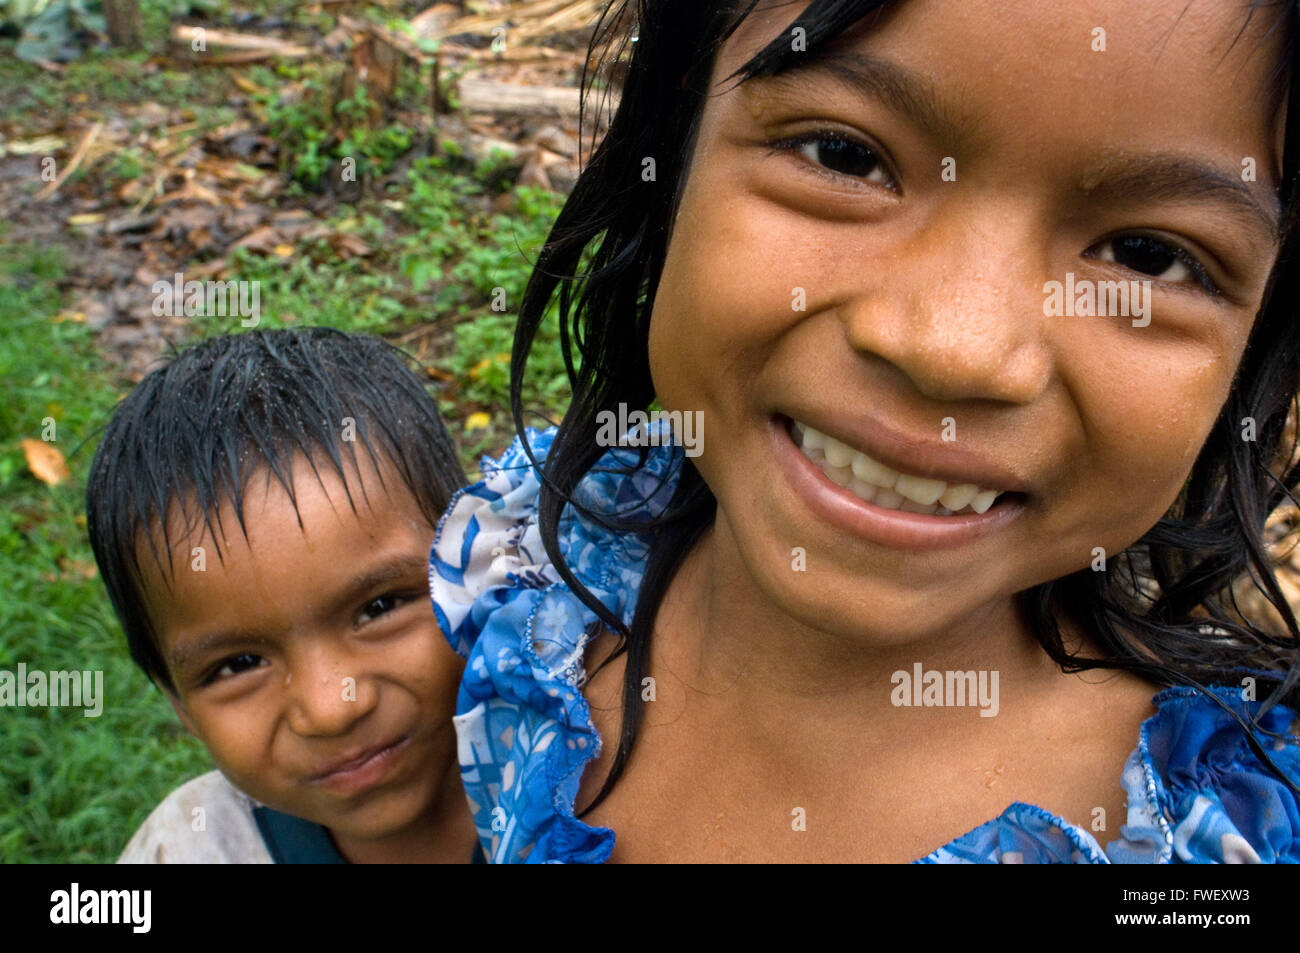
(72, 788)
(100, 79)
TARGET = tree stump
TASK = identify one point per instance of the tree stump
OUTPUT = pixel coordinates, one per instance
(123, 18)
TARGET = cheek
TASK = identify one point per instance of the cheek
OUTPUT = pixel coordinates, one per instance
(1149, 423)
(238, 738)
(731, 286)
(423, 664)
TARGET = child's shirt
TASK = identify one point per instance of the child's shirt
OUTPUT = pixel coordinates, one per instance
(1196, 792)
(210, 821)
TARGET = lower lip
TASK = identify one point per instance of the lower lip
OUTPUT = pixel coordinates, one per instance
(368, 773)
(896, 529)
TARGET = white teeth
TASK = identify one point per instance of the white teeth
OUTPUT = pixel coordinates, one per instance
(872, 481)
(958, 495)
(840, 476)
(888, 499)
(920, 490)
(870, 471)
(838, 454)
(866, 491)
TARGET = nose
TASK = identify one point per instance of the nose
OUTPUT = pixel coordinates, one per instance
(326, 693)
(958, 309)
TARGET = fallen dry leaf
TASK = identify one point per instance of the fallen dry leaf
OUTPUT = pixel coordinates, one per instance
(263, 239)
(477, 421)
(348, 246)
(46, 462)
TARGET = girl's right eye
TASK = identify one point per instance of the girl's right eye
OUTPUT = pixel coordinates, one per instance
(840, 156)
(236, 665)
(1157, 259)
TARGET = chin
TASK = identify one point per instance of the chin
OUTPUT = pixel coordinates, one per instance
(388, 815)
(879, 613)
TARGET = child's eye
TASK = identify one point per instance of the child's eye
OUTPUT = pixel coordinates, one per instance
(1159, 259)
(377, 607)
(839, 155)
(235, 665)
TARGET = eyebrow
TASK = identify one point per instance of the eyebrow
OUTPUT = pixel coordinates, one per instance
(1151, 176)
(904, 92)
(1172, 177)
(387, 569)
(383, 570)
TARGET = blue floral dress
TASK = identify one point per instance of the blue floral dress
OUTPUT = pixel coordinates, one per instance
(1196, 792)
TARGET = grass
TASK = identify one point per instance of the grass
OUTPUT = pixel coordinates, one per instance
(72, 788)
(99, 79)
(444, 271)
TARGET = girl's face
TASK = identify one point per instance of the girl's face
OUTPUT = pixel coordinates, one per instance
(868, 248)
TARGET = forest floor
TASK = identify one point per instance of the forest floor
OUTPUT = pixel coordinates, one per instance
(338, 169)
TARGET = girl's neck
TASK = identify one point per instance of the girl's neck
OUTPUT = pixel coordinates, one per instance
(731, 637)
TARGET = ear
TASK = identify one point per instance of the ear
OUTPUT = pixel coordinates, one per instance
(183, 714)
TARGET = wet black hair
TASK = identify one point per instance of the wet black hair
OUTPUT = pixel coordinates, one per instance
(1172, 589)
(193, 433)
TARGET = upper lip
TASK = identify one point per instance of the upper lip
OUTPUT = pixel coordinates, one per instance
(932, 459)
(354, 759)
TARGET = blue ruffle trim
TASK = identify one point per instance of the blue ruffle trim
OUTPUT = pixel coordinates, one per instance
(1196, 794)
(524, 728)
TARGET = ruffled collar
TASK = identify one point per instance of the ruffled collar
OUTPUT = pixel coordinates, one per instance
(1196, 792)
(524, 727)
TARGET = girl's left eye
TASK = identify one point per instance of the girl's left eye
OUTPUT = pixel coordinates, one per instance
(839, 155)
(1156, 258)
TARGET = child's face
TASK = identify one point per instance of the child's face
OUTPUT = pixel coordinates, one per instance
(900, 306)
(308, 660)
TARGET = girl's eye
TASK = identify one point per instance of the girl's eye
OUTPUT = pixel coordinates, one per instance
(237, 664)
(839, 155)
(1160, 260)
(377, 607)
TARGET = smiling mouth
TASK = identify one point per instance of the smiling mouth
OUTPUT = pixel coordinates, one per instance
(368, 762)
(873, 482)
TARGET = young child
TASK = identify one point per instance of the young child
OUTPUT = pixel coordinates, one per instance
(261, 510)
(948, 576)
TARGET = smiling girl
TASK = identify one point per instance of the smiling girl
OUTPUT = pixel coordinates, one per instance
(831, 230)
